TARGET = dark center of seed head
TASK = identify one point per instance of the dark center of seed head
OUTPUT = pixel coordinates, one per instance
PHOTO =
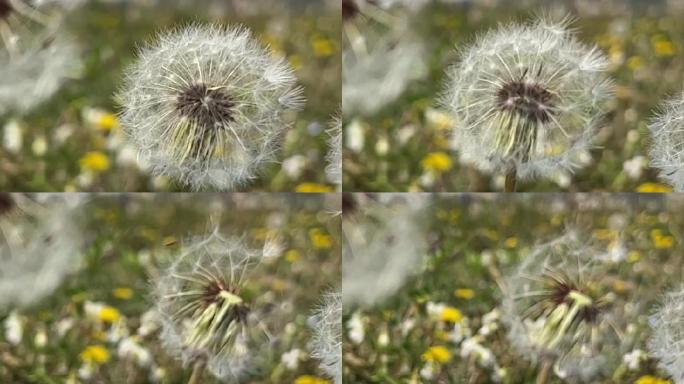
(530, 101)
(6, 203)
(349, 9)
(5, 8)
(205, 105)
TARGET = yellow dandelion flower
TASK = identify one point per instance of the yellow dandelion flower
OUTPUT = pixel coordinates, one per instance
(653, 188)
(323, 47)
(307, 379)
(661, 241)
(648, 379)
(635, 63)
(122, 293)
(664, 48)
(511, 242)
(313, 188)
(292, 256)
(109, 314)
(95, 354)
(605, 234)
(319, 239)
(451, 315)
(464, 293)
(437, 354)
(94, 161)
(107, 122)
(436, 162)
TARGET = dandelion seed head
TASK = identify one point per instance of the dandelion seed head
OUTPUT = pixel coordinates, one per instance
(38, 248)
(326, 344)
(334, 157)
(667, 340)
(383, 245)
(528, 97)
(204, 310)
(37, 57)
(667, 151)
(560, 304)
(206, 105)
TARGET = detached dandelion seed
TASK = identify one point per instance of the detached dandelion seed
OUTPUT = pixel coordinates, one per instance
(667, 341)
(206, 105)
(667, 153)
(562, 310)
(326, 345)
(527, 99)
(207, 320)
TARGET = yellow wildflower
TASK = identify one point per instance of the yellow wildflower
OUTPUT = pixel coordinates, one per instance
(292, 255)
(635, 62)
(436, 162)
(107, 122)
(464, 293)
(653, 188)
(313, 188)
(307, 379)
(634, 256)
(94, 161)
(664, 48)
(109, 314)
(319, 239)
(122, 293)
(437, 354)
(648, 379)
(451, 315)
(322, 47)
(605, 234)
(511, 242)
(661, 241)
(95, 354)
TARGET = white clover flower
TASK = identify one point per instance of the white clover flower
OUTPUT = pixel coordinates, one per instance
(667, 340)
(326, 345)
(206, 105)
(35, 55)
(205, 313)
(334, 169)
(383, 246)
(39, 246)
(527, 98)
(560, 305)
(667, 152)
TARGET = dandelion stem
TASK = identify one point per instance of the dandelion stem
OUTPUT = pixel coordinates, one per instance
(511, 180)
(197, 372)
(545, 371)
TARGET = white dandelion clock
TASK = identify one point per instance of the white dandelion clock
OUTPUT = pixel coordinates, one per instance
(36, 57)
(667, 152)
(527, 99)
(563, 310)
(207, 316)
(206, 105)
(39, 247)
(326, 345)
(334, 158)
(667, 340)
(383, 246)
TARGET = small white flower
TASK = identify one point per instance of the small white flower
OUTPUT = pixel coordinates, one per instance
(634, 358)
(635, 167)
(356, 328)
(206, 105)
(291, 358)
(14, 328)
(130, 348)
